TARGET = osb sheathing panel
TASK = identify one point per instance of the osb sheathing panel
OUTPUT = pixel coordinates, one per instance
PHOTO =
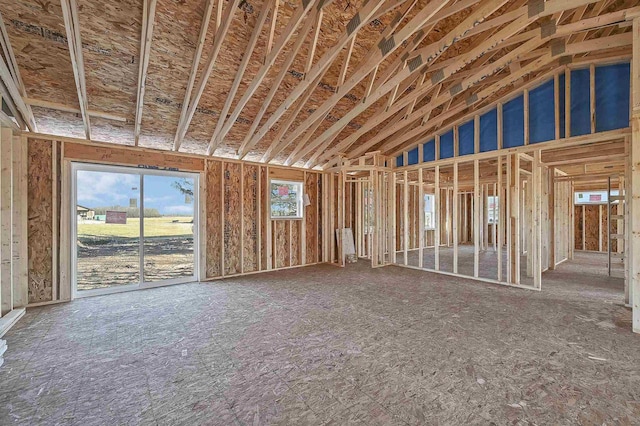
(591, 222)
(232, 218)
(111, 50)
(311, 217)
(250, 218)
(59, 123)
(281, 243)
(214, 218)
(40, 211)
(294, 240)
(37, 35)
(175, 35)
(265, 217)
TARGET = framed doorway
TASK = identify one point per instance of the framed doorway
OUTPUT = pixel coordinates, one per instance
(132, 228)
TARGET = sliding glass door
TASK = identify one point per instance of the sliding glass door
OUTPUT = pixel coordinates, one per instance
(134, 228)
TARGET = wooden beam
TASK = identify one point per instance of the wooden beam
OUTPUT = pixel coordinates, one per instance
(634, 205)
(183, 126)
(361, 18)
(195, 63)
(215, 141)
(148, 20)
(287, 33)
(72, 27)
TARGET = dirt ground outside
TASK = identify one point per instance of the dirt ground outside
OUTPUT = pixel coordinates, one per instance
(109, 254)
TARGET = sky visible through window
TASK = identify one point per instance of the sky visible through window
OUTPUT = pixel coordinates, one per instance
(105, 189)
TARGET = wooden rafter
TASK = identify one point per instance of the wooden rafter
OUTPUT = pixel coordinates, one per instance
(148, 20)
(14, 70)
(239, 75)
(453, 66)
(221, 32)
(72, 27)
(204, 26)
(288, 32)
(575, 48)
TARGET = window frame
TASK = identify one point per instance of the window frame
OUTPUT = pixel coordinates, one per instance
(299, 199)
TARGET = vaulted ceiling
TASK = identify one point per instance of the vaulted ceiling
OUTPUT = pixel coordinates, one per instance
(284, 81)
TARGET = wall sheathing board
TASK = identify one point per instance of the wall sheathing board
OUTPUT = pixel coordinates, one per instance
(266, 219)
(294, 242)
(311, 217)
(40, 213)
(250, 218)
(213, 221)
(232, 218)
(237, 194)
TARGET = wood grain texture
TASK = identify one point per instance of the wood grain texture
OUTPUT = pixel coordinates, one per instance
(40, 211)
(213, 220)
(311, 218)
(232, 218)
(250, 214)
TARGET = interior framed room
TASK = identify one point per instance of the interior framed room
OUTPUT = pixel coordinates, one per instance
(319, 212)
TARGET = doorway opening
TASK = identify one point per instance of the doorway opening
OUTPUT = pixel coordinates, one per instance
(133, 228)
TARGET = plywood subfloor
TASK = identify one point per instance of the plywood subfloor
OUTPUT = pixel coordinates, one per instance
(329, 345)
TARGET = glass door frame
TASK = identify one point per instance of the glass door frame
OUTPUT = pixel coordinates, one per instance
(141, 172)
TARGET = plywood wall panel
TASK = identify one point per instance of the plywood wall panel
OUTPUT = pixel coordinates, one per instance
(311, 218)
(40, 212)
(232, 218)
(280, 243)
(266, 219)
(213, 182)
(591, 227)
(250, 218)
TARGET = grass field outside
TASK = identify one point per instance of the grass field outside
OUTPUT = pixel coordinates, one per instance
(165, 226)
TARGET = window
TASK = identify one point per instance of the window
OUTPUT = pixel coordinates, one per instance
(429, 209)
(492, 209)
(286, 199)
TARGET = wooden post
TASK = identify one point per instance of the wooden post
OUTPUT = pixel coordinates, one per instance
(421, 230)
(515, 219)
(501, 203)
(634, 205)
(405, 220)
(437, 217)
(456, 208)
(6, 194)
(536, 222)
(552, 218)
(476, 218)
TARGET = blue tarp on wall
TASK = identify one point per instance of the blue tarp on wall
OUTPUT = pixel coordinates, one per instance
(513, 123)
(412, 157)
(446, 145)
(465, 138)
(429, 151)
(612, 97)
(580, 102)
(561, 88)
(400, 160)
(542, 113)
(489, 131)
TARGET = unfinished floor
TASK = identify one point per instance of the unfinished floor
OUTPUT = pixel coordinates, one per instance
(330, 345)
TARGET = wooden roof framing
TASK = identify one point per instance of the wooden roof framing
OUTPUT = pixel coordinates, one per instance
(289, 82)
